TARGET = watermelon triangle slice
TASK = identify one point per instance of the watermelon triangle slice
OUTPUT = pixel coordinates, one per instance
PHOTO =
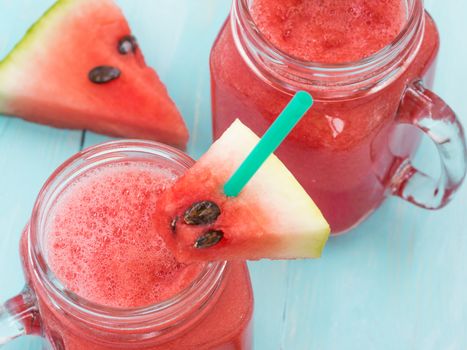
(273, 217)
(79, 67)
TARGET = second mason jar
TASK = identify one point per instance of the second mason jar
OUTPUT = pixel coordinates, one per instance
(350, 151)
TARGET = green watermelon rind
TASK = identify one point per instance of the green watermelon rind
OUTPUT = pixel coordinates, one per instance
(30, 38)
(316, 248)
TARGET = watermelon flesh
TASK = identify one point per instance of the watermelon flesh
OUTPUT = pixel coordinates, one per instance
(45, 79)
(273, 217)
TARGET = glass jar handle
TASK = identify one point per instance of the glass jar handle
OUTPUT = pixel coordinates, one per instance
(19, 316)
(428, 112)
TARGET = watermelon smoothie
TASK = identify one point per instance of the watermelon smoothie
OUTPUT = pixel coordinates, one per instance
(100, 242)
(100, 277)
(357, 58)
(329, 31)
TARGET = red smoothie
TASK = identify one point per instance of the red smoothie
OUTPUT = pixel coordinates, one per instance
(99, 241)
(342, 151)
(327, 30)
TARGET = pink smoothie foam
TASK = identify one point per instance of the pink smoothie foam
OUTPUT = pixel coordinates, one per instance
(331, 31)
(101, 242)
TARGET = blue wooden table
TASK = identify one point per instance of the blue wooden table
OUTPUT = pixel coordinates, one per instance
(399, 281)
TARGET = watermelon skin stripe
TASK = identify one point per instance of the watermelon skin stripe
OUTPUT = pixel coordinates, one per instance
(45, 77)
(27, 41)
(33, 34)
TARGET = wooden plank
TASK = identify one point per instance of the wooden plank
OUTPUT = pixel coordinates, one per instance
(271, 291)
(396, 282)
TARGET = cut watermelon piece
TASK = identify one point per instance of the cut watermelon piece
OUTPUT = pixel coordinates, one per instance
(273, 217)
(53, 77)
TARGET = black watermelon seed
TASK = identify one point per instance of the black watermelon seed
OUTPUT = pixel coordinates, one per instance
(202, 213)
(127, 44)
(104, 74)
(208, 239)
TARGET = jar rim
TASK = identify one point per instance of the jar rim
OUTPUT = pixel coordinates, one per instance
(265, 58)
(138, 318)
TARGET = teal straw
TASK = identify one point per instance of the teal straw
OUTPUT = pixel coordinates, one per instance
(282, 126)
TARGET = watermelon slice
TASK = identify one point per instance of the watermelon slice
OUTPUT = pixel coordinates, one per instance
(79, 67)
(273, 217)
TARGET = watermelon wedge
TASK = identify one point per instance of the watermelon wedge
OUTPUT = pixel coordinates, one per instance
(79, 67)
(273, 217)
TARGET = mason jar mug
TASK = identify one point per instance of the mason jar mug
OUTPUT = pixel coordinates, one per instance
(213, 312)
(354, 147)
